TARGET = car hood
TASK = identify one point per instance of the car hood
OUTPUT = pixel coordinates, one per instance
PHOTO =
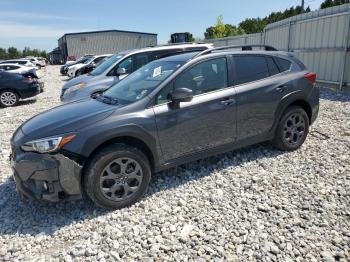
(67, 118)
(77, 80)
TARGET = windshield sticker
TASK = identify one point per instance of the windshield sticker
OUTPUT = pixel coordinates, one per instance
(157, 71)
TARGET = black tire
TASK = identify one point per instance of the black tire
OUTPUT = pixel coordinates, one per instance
(97, 181)
(8, 98)
(292, 129)
(38, 66)
(77, 73)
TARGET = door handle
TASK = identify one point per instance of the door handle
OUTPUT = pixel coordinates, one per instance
(281, 88)
(229, 101)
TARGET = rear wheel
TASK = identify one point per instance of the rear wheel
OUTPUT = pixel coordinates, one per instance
(117, 176)
(292, 129)
(8, 98)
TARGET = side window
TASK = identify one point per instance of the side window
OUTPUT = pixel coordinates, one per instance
(204, 77)
(273, 69)
(98, 59)
(140, 60)
(127, 64)
(283, 64)
(163, 95)
(131, 64)
(250, 68)
(165, 53)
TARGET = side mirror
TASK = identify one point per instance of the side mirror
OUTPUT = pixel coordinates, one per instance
(121, 71)
(181, 95)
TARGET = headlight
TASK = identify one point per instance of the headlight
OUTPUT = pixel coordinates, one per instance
(75, 87)
(46, 145)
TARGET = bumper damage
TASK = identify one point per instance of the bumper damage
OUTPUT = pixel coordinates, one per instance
(50, 177)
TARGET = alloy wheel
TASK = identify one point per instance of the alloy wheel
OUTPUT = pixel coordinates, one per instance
(8, 98)
(121, 178)
(294, 129)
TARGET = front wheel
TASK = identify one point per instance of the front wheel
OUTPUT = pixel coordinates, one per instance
(117, 176)
(292, 129)
(8, 98)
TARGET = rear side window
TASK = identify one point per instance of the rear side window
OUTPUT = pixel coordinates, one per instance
(283, 64)
(250, 68)
(273, 69)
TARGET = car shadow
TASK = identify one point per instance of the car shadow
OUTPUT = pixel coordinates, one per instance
(26, 102)
(332, 95)
(32, 217)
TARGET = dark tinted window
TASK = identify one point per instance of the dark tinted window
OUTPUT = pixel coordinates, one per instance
(204, 77)
(165, 53)
(250, 68)
(131, 64)
(273, 69)
(98, 59)
(283, 64)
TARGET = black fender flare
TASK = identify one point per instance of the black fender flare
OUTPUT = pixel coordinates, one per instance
(285, 102)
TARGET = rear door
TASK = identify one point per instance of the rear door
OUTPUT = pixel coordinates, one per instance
(260, 85)
(208, 121)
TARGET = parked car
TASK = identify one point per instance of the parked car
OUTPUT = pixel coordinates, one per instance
(35, 61)
(64, 68)
(14, 87)
(89, 67)
(169, 112)
(118, 67)
(73, 70)
(24, 62)
(19, 69)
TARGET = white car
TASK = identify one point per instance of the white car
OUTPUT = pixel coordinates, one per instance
(17, 68)
(24, 62)
(73, 69)
(36, 61)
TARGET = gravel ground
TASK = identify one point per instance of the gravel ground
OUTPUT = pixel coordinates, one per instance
(252, 204)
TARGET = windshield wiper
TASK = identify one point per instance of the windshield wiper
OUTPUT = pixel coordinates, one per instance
(104, 99)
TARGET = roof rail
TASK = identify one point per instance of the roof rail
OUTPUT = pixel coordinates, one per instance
(243, 47)
(183, 43)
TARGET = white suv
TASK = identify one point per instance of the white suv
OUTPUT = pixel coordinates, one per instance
(72, 70)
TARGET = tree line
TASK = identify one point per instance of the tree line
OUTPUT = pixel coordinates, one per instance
(14, 53)
(257, 25)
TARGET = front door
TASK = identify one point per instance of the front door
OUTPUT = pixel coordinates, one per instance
(209, 120)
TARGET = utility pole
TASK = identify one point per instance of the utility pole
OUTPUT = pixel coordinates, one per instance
(302, 4)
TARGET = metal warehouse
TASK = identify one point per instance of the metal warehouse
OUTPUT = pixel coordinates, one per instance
(103, 42)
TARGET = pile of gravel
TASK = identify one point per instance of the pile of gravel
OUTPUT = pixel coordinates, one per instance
(253, 204)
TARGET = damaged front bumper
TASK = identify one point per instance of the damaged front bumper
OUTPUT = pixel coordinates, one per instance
(50, 177)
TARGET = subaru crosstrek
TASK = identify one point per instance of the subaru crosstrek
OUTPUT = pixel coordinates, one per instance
(170, 111)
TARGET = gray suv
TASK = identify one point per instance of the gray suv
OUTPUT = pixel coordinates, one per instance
(170, 111)
(118, 67)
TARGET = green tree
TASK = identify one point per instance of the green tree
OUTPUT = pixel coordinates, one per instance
(13, 52)
(330, 3)
(220, 30)
(3, 54)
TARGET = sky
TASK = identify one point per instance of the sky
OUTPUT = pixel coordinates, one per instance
(39, 23)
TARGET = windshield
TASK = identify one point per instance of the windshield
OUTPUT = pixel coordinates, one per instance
(88, 61)
(106, 64)
(143, 81)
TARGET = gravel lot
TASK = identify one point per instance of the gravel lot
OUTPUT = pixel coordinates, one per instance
(253, 204)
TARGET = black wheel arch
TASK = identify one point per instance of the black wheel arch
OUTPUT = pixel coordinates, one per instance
(129, 135)
(294, 99)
